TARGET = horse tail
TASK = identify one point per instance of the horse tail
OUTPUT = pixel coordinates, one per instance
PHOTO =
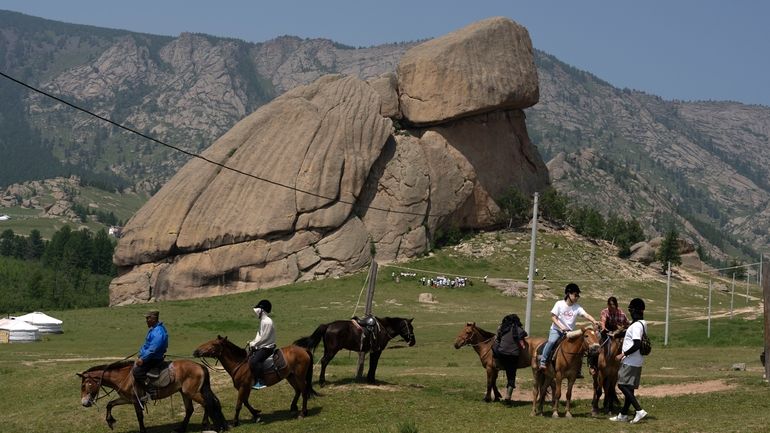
(312, 341)
(211, 403)
(309, 377)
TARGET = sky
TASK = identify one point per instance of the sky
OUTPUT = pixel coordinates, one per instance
(676, 49)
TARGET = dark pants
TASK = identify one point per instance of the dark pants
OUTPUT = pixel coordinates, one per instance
(140, 373)
(256, 359)
(509, 362)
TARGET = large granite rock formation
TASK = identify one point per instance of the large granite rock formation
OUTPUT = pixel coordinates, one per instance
(310, 185)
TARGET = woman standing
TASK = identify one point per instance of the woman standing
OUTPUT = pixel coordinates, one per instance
(631, 360)
(509, 343)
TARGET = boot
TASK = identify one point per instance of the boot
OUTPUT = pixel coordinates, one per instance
(508, 394)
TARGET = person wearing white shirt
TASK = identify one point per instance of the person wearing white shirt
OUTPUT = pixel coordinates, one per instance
(631, 360)
(263, 344)
(564, 316)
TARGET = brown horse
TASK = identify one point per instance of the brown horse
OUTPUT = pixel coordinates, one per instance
(481, 341)
(298, 372)
(188, 378)
(347, 334)
(568, 358)
(606, 375)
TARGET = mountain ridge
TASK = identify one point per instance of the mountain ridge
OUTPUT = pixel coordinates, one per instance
(691, 164)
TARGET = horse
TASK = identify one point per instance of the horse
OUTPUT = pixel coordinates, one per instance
(298, 372)
(605, 377)
(568, 359)
(482, 341)
(187, 377)
(348, 334)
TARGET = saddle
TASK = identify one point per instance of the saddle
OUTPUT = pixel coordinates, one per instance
(276, 362)
(159, 377)
(556, 346)
(368, 326)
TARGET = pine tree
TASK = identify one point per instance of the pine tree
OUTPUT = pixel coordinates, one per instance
(669, 249)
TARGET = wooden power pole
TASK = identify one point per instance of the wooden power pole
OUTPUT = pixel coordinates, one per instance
(367, 312)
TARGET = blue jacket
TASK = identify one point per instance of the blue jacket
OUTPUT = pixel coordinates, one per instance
(155, 344)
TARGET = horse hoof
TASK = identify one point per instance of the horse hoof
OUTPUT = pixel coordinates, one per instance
(567, 415)
(555, 415)
(294, 408)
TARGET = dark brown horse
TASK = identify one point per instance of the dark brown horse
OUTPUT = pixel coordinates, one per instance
(298, 372)
(568, 358)
(188, 378)
(347, 334)
(606, 375)
(481, 341)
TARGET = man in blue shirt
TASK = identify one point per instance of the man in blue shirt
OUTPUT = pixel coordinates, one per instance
(151, 353)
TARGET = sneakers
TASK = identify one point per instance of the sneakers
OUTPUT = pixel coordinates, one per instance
(639, 415)
(258, 385)
(620, 417)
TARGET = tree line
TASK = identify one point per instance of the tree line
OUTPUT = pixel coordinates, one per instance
(72, 270)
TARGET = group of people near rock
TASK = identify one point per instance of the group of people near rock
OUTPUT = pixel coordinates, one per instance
(564, 314)
(441, 281)
(509, 343)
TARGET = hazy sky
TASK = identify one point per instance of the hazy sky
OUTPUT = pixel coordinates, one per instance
(677, 49)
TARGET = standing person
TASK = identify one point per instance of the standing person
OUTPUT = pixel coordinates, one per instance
(150, 354)
(263, 344)
(564, 315)
(631, 360)
(509, 343)
(612, 319)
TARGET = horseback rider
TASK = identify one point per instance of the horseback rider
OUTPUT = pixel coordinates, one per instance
(612, 318)
(564, 315)
(151, 354)
(263, 345)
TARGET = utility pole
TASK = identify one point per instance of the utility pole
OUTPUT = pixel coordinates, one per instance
(732, 297)
(708, 329)
(668, 302)
(766, 297)
(367, 312)
(531, 277)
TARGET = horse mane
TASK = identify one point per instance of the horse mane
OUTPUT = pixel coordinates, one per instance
(484, 333)
(112, 366)
(237, 350)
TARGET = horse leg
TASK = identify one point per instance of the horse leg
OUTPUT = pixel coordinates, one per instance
(598, 385)
(109, 418)
(570, 382)
(491, 379)
(556, 397)
(188, 411)
(374, 358)
(325, 360)
(139, 417)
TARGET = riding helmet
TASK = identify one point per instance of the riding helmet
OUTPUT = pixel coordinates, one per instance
(636, 304)
(265, 305)
(571, 288)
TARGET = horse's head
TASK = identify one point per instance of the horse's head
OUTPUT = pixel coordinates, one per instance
(211, 349)
(89, 388)
(466, 335)
(591, 341)
(406, 331)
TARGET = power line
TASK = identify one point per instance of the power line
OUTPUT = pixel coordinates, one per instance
(203, 158)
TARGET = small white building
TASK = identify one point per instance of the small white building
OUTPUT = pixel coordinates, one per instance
(17, 331)
(45, 323)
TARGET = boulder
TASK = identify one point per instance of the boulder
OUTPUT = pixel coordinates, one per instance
(485, 66)
(315, 183)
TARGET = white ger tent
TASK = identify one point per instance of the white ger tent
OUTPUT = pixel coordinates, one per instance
(45, 323)
(19, 331)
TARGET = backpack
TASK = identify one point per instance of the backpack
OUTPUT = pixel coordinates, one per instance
(646, 343)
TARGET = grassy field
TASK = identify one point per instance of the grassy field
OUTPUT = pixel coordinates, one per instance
(430, 387)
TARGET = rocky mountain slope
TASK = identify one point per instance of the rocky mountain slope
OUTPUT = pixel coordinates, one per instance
(699, 165)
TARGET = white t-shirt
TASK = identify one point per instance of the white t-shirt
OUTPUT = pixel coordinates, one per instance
(634, 332)
(266, 334)
(567, 314)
